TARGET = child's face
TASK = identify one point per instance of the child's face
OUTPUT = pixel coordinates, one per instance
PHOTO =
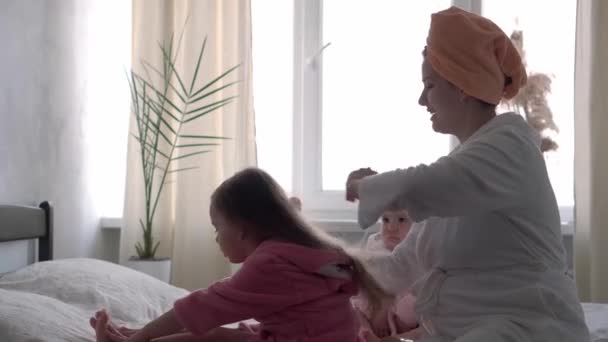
(296, 203)
(228, 236)
(395, 226)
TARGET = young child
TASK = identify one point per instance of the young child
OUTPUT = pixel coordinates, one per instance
(296, 202)
(398, 317)
(295, 281)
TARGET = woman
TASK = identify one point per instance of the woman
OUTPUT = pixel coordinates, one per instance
(485, 258)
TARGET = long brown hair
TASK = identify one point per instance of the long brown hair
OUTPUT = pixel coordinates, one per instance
(253, 198)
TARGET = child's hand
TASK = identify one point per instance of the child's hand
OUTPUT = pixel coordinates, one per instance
(368, 336)
(352, 182)
(396, 339)
(379, 323)
(413, 334)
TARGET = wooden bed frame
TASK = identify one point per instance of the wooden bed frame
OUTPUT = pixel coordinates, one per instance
(19, 222)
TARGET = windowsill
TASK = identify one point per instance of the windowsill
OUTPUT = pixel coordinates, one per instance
(351, 226)
(568, 228)
(328, 225)
(340, 226)
(340, 220)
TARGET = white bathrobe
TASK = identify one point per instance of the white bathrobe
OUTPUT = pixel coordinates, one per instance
(485, 258)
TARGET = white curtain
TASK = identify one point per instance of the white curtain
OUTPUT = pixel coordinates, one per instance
(182, 222)
(591, 156)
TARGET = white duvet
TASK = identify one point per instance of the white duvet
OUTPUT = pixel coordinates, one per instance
(52, 301)
(596, 316)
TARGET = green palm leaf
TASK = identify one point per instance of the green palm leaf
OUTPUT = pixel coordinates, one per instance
(160, 104)
(185, 136)
(223, 102)
(216, 80)
(198, 64)
(204, 96)
(167, 57)
(189, 155)
(194, 145)
(183, 169)
(212, 109)
(170, 84)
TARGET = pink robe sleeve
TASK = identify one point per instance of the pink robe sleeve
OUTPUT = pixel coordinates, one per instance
(257, 289)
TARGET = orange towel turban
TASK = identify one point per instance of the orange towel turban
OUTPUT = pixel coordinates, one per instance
(475, 55)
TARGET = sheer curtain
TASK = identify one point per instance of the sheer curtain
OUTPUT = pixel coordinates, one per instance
(591, 158)
(182, 222)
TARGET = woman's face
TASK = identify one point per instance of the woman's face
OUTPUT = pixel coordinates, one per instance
(443, 100)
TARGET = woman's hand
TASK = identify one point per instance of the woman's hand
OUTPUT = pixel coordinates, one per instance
(352, 182)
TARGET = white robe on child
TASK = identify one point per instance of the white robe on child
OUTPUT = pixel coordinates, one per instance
(485, 258)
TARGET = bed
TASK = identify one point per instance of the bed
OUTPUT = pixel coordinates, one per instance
(51, 300)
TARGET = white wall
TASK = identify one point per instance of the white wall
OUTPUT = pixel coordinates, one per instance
(47, 116)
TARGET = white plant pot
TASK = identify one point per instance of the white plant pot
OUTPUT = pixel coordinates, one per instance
(157, 268)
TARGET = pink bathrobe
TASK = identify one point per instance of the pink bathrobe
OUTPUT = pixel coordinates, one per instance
(296, 293)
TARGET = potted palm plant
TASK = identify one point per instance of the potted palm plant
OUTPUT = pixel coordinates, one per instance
(164, 106)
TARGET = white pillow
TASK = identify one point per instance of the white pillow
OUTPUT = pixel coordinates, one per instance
(90, 284)
(27, 317)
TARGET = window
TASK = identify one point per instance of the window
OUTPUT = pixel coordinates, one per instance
(106, 55)
(272, 26)
(354, 78)
(370, 84)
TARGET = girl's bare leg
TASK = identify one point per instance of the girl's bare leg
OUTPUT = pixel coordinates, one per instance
(101, 323)
(127, 332)
(215, 335)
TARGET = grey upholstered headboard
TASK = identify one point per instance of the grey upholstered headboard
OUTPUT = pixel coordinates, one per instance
(19, 222)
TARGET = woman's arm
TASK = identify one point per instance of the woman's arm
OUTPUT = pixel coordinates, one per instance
(488, 174)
